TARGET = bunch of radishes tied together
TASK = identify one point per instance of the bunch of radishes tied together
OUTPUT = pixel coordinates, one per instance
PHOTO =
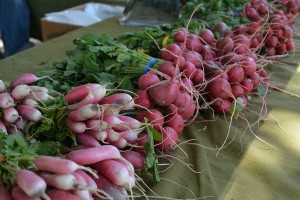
(20, 103)
(108, 176)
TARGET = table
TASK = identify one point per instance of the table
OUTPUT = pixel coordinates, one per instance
(247, 169)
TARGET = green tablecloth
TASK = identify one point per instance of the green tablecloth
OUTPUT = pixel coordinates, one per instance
(247, 169)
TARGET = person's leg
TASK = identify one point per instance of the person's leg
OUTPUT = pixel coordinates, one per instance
(14, 25)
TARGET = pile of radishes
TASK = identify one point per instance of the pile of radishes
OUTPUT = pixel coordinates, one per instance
(19, 103)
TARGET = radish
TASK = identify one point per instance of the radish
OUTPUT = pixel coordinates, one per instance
(29, 113)
(180, 35)
(19, 194)
(221, 105)
(85, 112)
(10, 114)
(193, 43)
(220, 88)
(176, 122)
(21, 123)
(84, 193)
(147, 80)
(32, 184)
(237, 90)
(248, 65)
(255, 80)
(131, 135)
(142, 99)
(188, 70)
(130, 122)
(198, 76)
(115, 122)
(112, 136)
(34, 88)
(225, 44)
(114, 171)
(188, 111)
(98, 134)
(74, 126)
(191, 57)
(182, 99)
(20, 92)
(5, 194)
(271, 41)
(30, 102)
(14, 130)
(98, 93)
(26, 79)
(6, 100)
(124, 100)
(186, 84)
(207, 36)
(235, 74)
(281, 49)
(169, 69)
(170, 52)
(57, 194)
(79, 92)
(135, 158)
(221, 28)
(88, 99)
(121, 143)
(154, 116)
(220, 73)
(165, 92)
(2, 86)
(96, 124)
(247, 85)
(94, 154)
(58, 165)
(92, 185)
(39, 96)
(86, 139)
(170, 138)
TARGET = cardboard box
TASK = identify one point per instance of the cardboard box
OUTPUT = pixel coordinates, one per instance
(52, 29)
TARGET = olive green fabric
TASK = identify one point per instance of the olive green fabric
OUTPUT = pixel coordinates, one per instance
(245, 168)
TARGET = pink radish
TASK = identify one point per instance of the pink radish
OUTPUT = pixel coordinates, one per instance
(86, 139)
(21, 123)
(88, 99)
(79, 92)
(112, 136)
(154, 116)
(6, 100)
(135, 158)
(124, 100)
(85, 112)
(165, 92)
(5, 194)
(2, 86)
(84, 193)
(39, 96)
(26, 79)
(98, 135)
(14, 130)
(170, 138)
(146, 80)
(98, 93)
(10, 114)
(2, 127)
(20, 92)
(57, 194)
(115, 122)
(131, 135)
(220, 88)
(176, 122)
(116, 172)
(130, 122)
(19, 194)
(32, 184)
(94, 154)
(142, 98)
(30, 102)
(29, 113)
(97, 124)
(74, 126)
(121, 143)
(92, 185)
(34, 88)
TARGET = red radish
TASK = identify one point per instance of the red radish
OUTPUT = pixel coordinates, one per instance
(140, 142)
(170, 138)
(220, 73)
(230, 58)
(142, 98)
(135, 158)
(85, 112)
(147, 80)
(183, 99)
(154, 116)
(191, 57)
(271, 41)
(225, 44)
(61, 181)
(112, 136)
(95, 154)
(235, 74)
(79, 92)
(271, 51)
(252, 14)
(26, 79)
(220, 27)
(290, 45)
(10, 114)
(171, 52)
(264, 75)
(2, 127)
(188, 111)
(252, 28)
(281, 49)
(30, 102)
(5, 194)
(114, 171)
(187, 84)
(249, 65)
(97, 124)
(165, 92)
(176, 122)
(74, 126)
(98, 134)
(6, 100)
(207, 36)
(98, 93)
(86, 139)
(207, 53)
(188, 70)
(114, 191)
(2, 86)
(58, 165)
(237, 90)
(124, 100)
(29, 113)
(20, 92)
(220, 88)
(19, 194)
(57, 194)
(193, 43)
(238, 29)
(221, 105)
(32, 184)
(169, 69)
(247, 85)
(180, 35)
(88, 99)
(255, 80)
